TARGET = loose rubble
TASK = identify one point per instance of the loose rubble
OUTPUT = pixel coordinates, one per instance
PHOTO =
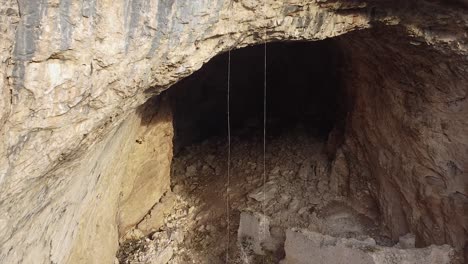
(269, 217)
(306, 247)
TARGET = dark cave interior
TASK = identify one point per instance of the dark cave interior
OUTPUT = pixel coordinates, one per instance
(303, 92)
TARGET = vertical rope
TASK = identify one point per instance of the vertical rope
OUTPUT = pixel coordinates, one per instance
(264, 127)
(264, 113)
(264, 109)
(228, 220)
(228, 205)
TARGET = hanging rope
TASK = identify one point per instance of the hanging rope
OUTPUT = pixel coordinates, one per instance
(228, 181)
(264, 128)
(229, 142)
(264, 119)
(228, 220)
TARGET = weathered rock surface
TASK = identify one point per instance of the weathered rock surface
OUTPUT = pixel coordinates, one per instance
(155, 218)
(73, 73)
(149, 163)
(254, 232)
(406, 137)
(198, 214)
(129, 184)
(305, 247)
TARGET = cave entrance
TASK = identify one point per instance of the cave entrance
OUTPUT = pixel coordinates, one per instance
(303, 90)
(305, 108)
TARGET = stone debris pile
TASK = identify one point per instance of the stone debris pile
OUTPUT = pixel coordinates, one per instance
(293, 218)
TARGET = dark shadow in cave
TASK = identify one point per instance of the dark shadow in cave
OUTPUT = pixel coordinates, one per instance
(303, 90)
(304, 95)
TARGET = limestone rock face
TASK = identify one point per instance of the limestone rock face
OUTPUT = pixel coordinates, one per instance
(73, 73)
(149, 163)
(155, 218)
(135, 175)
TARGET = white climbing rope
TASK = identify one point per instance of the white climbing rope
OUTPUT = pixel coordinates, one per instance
(264, 128)
(228, 217)
(228, 181)
(228, 220)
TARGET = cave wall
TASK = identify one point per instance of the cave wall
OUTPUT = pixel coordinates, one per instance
(88, 197)
(133, 168)
(407, 134)
(73, 71)
(148, 163)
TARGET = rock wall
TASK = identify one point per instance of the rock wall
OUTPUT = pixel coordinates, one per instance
(306, 247)
(136, 159)
(148, 164)
(73, 71)
(87, 197)
(406, 137)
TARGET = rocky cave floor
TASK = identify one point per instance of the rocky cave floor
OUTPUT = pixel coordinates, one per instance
(189, 224)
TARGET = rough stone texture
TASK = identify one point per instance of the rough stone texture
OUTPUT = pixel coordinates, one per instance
(406, 137)
(82, 215)
(148, 163)
(155, 218)
(406, 241)
(135, 175)
(339, 182)
(75, 70)
(254, 232)
(71, 73)
(305, 247)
